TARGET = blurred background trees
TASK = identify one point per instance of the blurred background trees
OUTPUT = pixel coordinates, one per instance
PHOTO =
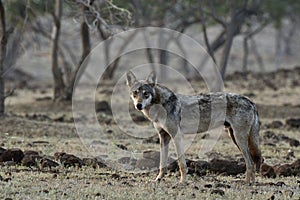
(65, 32)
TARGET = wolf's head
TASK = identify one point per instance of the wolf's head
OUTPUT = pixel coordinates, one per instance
(141, 91)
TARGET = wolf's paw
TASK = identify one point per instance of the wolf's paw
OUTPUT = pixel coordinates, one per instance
(158, 178)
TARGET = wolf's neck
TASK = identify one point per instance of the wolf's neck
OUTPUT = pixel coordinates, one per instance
(164, 101)
(161, 94)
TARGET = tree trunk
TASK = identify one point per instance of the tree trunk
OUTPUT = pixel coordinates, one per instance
(203, 22)
(3, 36)
(185, 63)
(86, 49)
(163, 59)
(148, 50)
(59, 86)
(257, 56)
(226, 52)
(216, 44)
(163, 54)
(246, 52)
(249, 36)
(279, 49)
(2, 54)
(288, 38)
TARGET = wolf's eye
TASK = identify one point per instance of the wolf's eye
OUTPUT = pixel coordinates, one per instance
(146, 94)
(135, 93)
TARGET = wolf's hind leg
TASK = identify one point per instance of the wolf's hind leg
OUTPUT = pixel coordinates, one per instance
(253, 142)
(241, 138)
(178, 141)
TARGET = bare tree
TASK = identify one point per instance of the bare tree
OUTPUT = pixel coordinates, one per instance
(86, 49)
(249, 36)
(237, 18)
(111, 67)
(63, 87)
(231, 26)
(177, 15)
(4, 34)
(59, 84)
(206, 40)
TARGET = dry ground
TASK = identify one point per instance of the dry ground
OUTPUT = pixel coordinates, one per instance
(34, 122)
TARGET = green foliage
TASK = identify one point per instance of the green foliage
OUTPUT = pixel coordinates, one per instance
(19, 12)
(115, 12)
(279, 9)
(121, 12)
(153, 10)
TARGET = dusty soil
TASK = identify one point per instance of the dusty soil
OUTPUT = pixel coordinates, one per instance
(34, 122)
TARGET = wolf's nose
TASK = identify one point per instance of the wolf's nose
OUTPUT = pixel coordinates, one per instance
(139, 106)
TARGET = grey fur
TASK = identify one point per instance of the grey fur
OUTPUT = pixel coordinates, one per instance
(174, 115)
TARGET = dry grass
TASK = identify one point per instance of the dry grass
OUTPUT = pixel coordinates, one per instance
(20, 130)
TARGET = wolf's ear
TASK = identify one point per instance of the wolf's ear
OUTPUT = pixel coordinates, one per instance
(151, 79)
(130, 78)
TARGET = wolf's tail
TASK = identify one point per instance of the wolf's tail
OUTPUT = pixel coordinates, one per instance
(253, 141)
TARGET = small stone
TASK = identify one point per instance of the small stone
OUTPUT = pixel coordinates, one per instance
(68, 160)
(208, 185)
(271, 197)
(30, 152)
(146, 164)
(294, 142)
(275, 124)
(221, 185)
(46, 191)
(103, 107)
(280, 183)
(121, 146)
(14, 154)
(150, 154)
(283, 170)
(267, 171)
(293, 122)
(7, 179)
(290, 155)
(115, 176)
(30, 160)
(48, 163)
(218, 191)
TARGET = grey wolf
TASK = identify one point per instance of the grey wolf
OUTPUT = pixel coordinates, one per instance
(173, 116)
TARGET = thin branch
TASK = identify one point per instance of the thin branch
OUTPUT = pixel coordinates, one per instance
(148, 50)
(215, 16)
(258, 29)
(257, 55)
(203, 21)
(118, 8)
(38, 28)
(92, 9)
(233, 8)
(248, 36)
(113, 65)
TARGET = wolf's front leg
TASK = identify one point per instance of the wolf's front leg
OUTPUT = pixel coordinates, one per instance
(178, 141)
(164, 138)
